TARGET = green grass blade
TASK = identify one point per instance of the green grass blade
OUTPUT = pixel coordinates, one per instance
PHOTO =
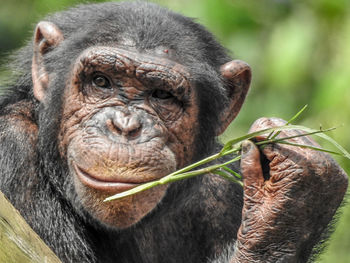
(232, 172)
(174, 178)
(132, 191)
(323, 136)
(227, 176)
(226, 172)
(248, 136)
(274, 140)
(311, 147)
(289, 122)
(297, 115)
(320, 133)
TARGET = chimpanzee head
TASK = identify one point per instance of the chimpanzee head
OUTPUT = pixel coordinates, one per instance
(128, 93)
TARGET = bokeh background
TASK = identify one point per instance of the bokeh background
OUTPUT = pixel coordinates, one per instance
(299, 51)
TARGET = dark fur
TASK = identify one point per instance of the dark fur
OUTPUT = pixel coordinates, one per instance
(198, 218)
(183, 228)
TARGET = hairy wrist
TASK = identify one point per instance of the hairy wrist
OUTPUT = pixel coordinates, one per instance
(267, 253)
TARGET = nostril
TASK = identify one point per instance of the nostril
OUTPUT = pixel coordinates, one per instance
(126, 125)
(135, 131)
(113, 128)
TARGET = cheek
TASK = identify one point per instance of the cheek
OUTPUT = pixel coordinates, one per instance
(183, 136)
(121, 213)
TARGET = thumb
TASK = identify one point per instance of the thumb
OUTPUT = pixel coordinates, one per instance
(253, 178)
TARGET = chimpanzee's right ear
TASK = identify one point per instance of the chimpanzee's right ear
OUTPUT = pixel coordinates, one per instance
(46, 36)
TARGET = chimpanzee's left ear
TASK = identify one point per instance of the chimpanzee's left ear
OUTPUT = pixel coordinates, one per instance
(47, 36)
(237, 75)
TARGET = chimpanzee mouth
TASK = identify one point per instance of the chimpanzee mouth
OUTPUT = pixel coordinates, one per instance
(92, 181)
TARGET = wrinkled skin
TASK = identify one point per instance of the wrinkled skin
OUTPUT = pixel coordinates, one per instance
(129, 117)
(282, 203)
(133, 131)
(113, 95)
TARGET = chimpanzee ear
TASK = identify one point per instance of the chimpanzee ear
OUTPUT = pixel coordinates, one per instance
(237, 76)
(46, 36)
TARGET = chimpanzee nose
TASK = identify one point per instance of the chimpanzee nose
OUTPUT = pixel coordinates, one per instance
(126, 124)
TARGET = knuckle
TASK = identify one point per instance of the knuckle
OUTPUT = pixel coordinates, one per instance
(337, 174)
(277, 121)
(265, 122)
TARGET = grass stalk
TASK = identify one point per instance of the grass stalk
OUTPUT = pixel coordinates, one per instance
(234, 147)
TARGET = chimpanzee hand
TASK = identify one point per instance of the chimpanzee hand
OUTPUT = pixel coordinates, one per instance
(290, 196)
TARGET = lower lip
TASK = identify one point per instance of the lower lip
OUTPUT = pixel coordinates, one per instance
(92, 182)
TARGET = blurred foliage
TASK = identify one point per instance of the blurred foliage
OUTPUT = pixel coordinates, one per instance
(299, 52)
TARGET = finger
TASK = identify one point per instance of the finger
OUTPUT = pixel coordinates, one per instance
(264, 123)
(287, 166)
(253, 178)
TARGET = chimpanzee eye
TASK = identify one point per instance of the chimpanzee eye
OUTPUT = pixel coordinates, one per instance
(101, 82)
(161, 94)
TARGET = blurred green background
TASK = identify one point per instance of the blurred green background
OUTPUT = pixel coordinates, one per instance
(299, 51)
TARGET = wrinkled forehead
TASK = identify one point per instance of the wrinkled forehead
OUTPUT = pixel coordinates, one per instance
(131, 62)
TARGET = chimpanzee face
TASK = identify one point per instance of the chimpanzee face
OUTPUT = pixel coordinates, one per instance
(128, 118)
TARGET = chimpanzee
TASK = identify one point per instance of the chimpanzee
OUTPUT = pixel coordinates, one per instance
(108, 96)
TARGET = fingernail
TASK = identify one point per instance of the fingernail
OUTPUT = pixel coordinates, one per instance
(246, 146)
